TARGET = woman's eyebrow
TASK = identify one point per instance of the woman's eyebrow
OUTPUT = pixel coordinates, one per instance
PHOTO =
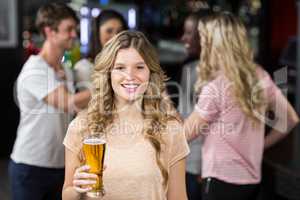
(140, 63)
(119, 63)
(137, 63)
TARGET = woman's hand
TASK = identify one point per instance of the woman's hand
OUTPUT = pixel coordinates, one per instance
(82, 180)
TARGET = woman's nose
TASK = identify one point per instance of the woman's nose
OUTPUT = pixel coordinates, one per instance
(129, 74)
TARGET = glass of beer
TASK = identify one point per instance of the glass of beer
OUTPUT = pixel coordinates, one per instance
(94, 151)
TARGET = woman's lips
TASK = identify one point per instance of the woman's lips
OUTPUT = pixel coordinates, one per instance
(130, 88)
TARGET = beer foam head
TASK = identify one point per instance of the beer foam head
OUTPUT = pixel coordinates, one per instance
(94, 141)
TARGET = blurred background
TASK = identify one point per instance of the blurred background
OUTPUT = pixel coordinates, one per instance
(273, 31)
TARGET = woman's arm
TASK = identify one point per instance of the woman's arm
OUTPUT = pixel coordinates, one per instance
(177, 187)
(286, 120)
(75, 177)
(194, 125)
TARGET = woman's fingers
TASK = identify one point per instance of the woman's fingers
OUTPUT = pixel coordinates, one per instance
(84, 175)
(83, 180)
(79, 183)
(82, 190)
(83, 186)
(83, 168)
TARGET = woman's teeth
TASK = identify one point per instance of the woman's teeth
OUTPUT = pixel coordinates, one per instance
(130, 86)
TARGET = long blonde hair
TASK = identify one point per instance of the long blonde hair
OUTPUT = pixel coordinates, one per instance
(225, 47)
(157, 109)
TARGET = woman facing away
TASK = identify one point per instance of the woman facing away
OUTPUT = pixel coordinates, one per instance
(146, 146)
(106, 25)
(234, 95)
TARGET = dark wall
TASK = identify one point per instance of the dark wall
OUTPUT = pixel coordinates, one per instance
(284, 25)
(10, 62)
(279, 23)
(281, 166)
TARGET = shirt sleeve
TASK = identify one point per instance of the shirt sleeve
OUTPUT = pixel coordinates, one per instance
(178, 147)
(75, 134)
(209, 102)
(39, 82)
(273, 92)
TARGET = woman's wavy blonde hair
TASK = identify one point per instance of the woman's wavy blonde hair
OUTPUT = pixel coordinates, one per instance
(225, 47)
(157, 108)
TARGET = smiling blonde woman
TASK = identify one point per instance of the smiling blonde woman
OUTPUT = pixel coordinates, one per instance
(146, 146)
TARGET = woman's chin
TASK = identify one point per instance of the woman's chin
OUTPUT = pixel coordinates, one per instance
(130, 98)
(134, 98)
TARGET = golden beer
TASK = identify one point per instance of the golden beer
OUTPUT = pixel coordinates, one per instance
(94, 151)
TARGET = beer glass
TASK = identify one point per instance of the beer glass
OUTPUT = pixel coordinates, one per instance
(94, 151)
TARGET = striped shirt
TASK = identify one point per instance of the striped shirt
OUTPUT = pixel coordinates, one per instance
(232, 147)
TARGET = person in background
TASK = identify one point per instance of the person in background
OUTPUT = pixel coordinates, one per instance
(191, 41)
(107, 24)
(46, 101)
(29, 45)
(234, 94)
(146, 146)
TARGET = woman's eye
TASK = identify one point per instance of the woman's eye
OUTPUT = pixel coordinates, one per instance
(140, 67)
(119, 68)
(109, 31)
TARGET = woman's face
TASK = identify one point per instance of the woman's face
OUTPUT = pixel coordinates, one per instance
(130, 76)
(190, 37)
(108, 29)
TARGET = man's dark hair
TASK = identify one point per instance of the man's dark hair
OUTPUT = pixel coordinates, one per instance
(52, 14)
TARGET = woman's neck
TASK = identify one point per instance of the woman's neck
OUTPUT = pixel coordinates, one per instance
(130, 111)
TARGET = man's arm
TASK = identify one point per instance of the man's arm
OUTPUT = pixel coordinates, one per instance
(61, 99)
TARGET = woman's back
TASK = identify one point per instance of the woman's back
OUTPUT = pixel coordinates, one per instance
(234, 142)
